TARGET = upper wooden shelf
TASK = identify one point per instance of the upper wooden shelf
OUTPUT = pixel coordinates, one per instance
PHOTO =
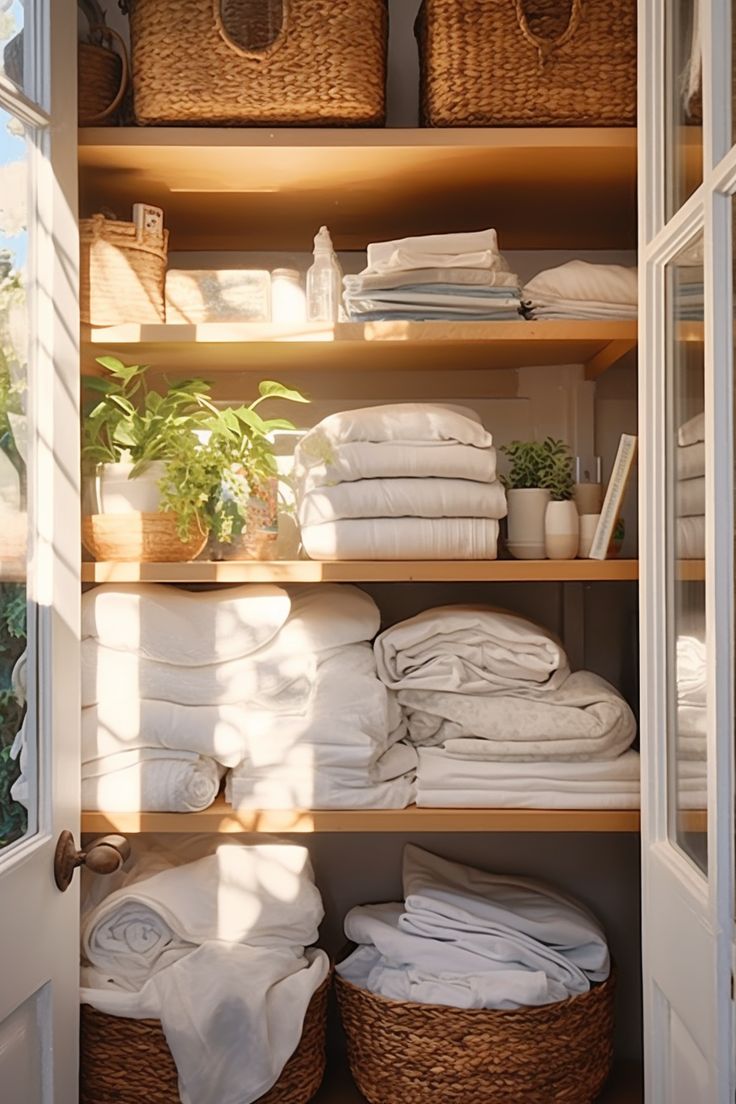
(221, 817)
(364, 347)
(363, 571)
(270, 189)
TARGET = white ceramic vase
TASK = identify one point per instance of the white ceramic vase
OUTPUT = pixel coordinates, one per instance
(561, 530)
(117, 493)
(527, 508)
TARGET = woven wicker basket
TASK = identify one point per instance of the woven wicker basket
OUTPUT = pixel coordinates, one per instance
(102, 77)
(138, 538)
(428, 1054)
(239, 62)
(528, 62)
(128, 1062)
(122, 273)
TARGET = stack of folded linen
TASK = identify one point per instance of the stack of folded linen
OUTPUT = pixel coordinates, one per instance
(582, 290)
(692, 687)
(399, 482)
(435, 277)
(499, 719)
(214, 948)
(690, 489)
(467, 939)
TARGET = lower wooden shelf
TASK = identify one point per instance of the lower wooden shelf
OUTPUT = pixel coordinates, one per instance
(221, 817)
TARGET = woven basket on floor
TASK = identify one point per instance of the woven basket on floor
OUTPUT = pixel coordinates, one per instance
(138, 538)
(122, 273)
(428, 1054)
(528, 62)
(241, 62)
(128, 1062)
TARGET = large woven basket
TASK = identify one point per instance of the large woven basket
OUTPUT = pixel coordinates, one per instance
(128, 1061)
(122, 273)
(428, 1054)
(528, 62)
(240, 62)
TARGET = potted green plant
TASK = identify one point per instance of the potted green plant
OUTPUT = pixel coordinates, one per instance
(226, 481)
(527, 498)
(561, 524)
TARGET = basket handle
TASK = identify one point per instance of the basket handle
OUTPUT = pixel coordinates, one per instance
(265, 52)
(546, 46)
(110, 35)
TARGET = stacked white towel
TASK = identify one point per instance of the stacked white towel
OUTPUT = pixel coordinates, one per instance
(690, 489)
(215, 949)
(578, 289)
(399, 482)
(468, 939)
(499, 719)
(435, 277)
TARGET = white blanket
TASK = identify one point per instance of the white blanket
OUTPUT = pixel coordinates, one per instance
(690, 460)
(584, 718)
(395, 459)
(691, 497)
(407, 538)
(215, 950)
(151, 780)
(581, 281)
(395, 498)
(692, 432)
(395, 422)
(183, 627)
(691, 538)
(470, 649)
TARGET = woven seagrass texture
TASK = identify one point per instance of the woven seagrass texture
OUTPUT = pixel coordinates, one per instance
(102, 78)
(128, 1062)
(238, 62)
(528, 62)
(139, 538)
(427, 1054)
(122, 273)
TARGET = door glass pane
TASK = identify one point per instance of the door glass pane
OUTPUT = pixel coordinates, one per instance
(683, 103)
(17, 756)
(687, 667)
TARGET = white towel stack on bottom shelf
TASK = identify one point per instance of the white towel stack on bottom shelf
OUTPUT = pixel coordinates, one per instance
(690, 489)
(399, 482)
(466, 939)
(498, 718)
(210, 939)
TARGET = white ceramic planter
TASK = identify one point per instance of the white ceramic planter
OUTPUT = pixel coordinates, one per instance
(526, 522)
(118, 494)
(561, 530)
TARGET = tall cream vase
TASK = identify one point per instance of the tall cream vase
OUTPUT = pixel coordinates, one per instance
(527, 506)
(561, 530)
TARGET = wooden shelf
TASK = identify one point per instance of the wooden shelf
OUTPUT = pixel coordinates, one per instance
(270, 189)
(365, 347)
(364, 571)
(221, 817)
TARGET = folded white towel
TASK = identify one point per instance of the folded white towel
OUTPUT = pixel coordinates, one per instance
(478, 249)
(691, 538)
(407, 538)
(183, 627)
(150, 780)
(690, 461)
(690, 497)
(471, 649)
(394, 459)
(366, 282)
(395, 498)
(581, 281)
(692, 432)
(581, 309)
(395, 422)
(584, 718)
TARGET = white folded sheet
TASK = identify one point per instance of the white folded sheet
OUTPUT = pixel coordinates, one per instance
(581, 281)
(446, 781)
(150, 780)
(395, 498)
(690, 497)
(574, 308)
(690, 460)
(184, 627)
(692, 432)
(406, 538)
(691, 538)
(584, 718)
(367, 282)
(394, 459)
(470, 649)
(478, 249)
(215, 950)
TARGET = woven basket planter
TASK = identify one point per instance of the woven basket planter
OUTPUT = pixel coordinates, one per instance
(528, 62)
(102, 78)
(245, 62)
(428, 1054)
(128, 1061)
(122, 273)
(138, 538)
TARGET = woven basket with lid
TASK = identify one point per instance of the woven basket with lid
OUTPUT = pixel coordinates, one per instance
(122, 273)
(528, 62)
(242, 62)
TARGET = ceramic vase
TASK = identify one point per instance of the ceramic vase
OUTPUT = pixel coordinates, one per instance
(561, 530)
(527, 508)
(117, 493)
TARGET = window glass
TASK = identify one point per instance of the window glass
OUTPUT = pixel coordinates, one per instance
(683, 103)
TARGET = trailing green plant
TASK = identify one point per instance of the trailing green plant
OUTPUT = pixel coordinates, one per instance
(125, 420)
(208, 482)
(13, 816)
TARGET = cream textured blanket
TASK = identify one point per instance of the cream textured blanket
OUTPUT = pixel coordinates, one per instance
(397, 498)
(405, 538)
(395, 460)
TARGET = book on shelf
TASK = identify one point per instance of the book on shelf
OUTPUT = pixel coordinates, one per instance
(611, 507)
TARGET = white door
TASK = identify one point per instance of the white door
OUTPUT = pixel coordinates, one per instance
(687, 174)
(39, 548)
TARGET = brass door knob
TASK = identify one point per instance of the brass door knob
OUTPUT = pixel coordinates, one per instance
(104, 856)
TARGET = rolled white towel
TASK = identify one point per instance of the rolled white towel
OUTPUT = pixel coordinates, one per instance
(150, 780)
